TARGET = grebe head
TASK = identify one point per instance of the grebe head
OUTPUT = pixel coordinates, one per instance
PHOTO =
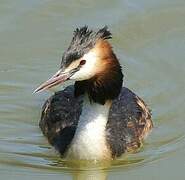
(86, 52)
(91, 62)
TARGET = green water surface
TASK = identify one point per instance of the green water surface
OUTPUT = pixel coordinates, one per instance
(149, 39)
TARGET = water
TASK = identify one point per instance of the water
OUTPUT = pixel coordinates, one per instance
(149, 40)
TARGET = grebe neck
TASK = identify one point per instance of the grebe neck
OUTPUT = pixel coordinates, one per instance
(104, 86)
(89, 141)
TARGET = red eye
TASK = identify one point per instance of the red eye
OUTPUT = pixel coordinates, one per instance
(82, 62)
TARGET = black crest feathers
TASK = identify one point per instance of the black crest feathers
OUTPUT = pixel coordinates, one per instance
(83, 40)
(84, 34)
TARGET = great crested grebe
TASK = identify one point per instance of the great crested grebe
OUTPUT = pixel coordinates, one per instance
(96, 118)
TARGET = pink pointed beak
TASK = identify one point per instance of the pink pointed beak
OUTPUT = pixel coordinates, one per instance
(56, 79)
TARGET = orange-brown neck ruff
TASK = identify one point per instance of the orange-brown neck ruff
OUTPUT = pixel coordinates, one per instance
(107, 83)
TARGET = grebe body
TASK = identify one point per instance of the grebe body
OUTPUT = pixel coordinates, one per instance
(96, 118)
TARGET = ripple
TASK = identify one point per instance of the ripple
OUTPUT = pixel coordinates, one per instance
(149, 39)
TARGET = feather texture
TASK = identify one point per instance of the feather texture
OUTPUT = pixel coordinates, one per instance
(129, 121)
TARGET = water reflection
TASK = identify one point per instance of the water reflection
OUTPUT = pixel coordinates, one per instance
(88, 170)
(90, 175)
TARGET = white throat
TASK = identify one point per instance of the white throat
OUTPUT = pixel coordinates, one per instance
(89, 141)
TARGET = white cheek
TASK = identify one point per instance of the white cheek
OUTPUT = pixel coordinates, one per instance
(88, 70)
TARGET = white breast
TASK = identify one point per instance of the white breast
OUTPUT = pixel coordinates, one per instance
(89, 141)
